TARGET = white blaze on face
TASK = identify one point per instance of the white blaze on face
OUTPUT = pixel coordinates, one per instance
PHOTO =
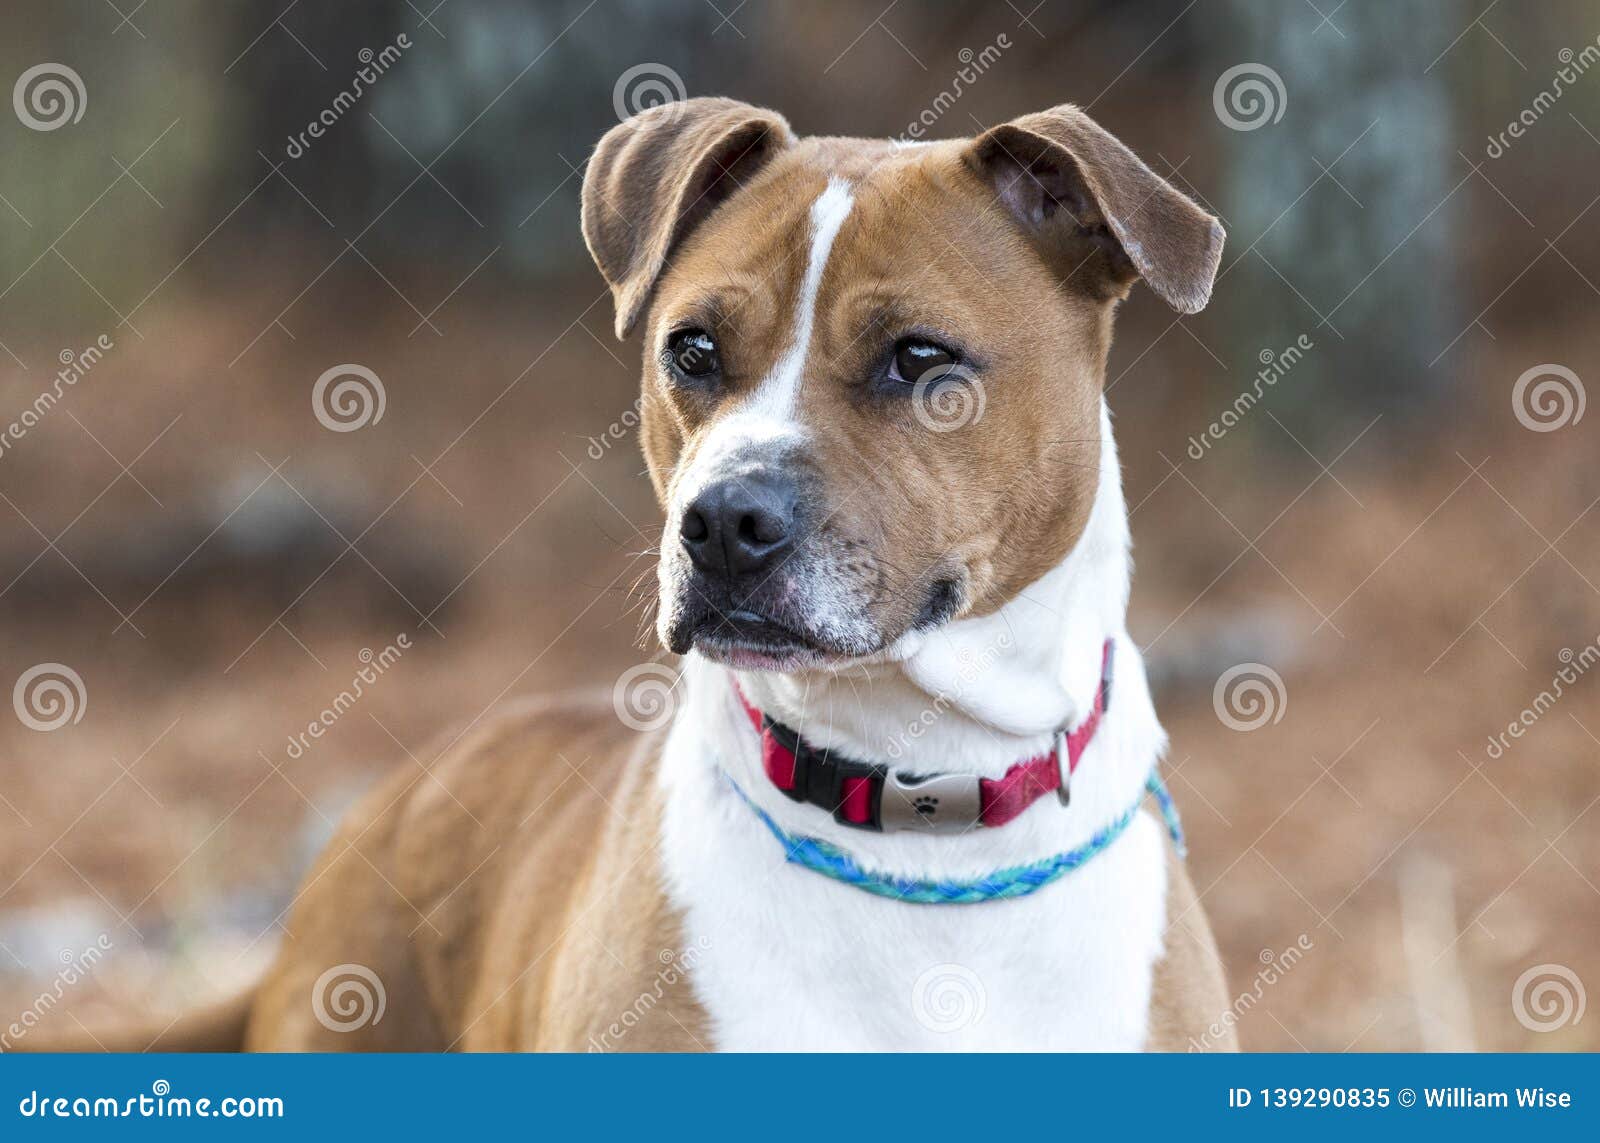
(766, 429)
(779, 394)
(770, 415)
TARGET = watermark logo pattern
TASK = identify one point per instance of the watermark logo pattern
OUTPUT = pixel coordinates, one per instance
(947, 398)
(646, 86)
(48, 696)
(1548, 397)
(1547, 997)
(1249, 696)
(1249, 96)
(348, 997)
(49, 96)
(347, 398)
(948, 998)
(644, 697)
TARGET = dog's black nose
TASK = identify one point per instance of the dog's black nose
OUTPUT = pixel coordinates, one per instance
(739, 526)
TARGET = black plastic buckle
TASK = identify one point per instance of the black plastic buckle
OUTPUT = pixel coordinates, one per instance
(819, 778)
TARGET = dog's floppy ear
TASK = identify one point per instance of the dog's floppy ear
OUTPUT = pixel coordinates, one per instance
(657, 175)
(1068, 181)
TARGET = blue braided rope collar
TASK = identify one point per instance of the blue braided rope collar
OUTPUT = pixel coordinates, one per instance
(1017, 881)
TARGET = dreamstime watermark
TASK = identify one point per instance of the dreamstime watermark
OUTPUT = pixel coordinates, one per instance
(617, 430)
(47, 696)
(347, 398)
(48, 96)
(973, 65)
(1547, 997)
(74, 968)
(1548, 397)
(1577, 663)
(947, 398)
(1276, 366)
(348, 997)
(971, 668)
(1573, 65)
(644, 87)
(645, 696)
(1275, 966)
(373, 668)
(76, 365)
(1249, 696)
(675, 967)
(948, 998)
(373, 65)
(1248, 96)
(158, 1103)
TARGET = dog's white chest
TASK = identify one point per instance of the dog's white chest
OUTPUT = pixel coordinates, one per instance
(796, 961)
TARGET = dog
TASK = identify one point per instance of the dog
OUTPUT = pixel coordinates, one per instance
(902, 803)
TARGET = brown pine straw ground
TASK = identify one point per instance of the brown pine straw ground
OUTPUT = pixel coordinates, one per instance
(1413, 601)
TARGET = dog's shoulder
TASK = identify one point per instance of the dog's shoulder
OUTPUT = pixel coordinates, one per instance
(535, 773)
(520, 757)
(479, 843)
(540, 816)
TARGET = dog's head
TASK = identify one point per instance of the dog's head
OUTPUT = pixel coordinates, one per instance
(873, 372)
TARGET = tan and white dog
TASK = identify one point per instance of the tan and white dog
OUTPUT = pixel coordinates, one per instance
(873, 415)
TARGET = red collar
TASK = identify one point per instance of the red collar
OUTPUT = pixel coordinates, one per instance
(874, 797)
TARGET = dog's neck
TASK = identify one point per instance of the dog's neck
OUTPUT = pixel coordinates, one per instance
(974, 696)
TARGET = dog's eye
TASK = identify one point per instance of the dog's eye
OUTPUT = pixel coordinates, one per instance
(692, 353)
(916, 360)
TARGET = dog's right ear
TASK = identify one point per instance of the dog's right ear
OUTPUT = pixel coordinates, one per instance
(1074, 188)
(657, 175)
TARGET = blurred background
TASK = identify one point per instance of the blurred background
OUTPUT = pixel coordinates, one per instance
(1363, 488)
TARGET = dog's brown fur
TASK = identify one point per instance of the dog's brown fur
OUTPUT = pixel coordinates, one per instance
(511, 901)
(1019, 243)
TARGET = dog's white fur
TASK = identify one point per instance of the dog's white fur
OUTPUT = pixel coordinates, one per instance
(1068, 967)
(779, 396)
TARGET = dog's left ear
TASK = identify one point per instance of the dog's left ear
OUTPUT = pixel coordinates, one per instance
(1067, 181)
(657, 176)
